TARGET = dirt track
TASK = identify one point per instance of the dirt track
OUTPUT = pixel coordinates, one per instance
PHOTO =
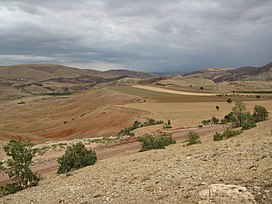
(172, 91)
(107, 152)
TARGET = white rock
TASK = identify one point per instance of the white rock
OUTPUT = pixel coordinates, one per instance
(221, 194)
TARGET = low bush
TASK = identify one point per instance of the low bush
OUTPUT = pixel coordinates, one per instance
(260, 113)
(206, 122)
(248, 125)
(193, 138)
(167, 125)
(155, 142)
(137, 124)
(76, 157)
(231, 133)
(214, 120)
(217, 136)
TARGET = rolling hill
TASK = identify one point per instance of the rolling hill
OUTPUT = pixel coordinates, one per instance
(248, 73)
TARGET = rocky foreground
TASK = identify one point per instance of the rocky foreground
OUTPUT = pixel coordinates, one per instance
(237, 170)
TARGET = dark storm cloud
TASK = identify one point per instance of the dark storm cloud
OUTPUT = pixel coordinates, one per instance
(153, 35)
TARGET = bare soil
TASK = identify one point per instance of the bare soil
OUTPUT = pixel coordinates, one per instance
(174, 175)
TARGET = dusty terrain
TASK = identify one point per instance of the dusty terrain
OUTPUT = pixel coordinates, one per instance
(174, 175)
(87, 114)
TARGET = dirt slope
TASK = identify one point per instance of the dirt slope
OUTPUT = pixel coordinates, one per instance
(174, 175)
(86, 114)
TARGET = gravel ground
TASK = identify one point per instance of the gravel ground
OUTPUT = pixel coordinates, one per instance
(174, 175)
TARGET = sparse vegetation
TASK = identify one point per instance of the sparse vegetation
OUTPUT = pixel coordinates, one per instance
(167, 125)
(226, 134)
(214, 120)
(206, 122)
(229, 100)
(64, 93)
(193, 138)
(156, 142)
(76, 157)
(18, 167)
(260, 113)
(137, 124)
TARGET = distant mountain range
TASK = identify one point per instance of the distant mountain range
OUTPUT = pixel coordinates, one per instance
(263, 73)
(43, 72)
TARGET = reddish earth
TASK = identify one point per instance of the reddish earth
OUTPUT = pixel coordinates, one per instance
(87, 114)
(111, 150)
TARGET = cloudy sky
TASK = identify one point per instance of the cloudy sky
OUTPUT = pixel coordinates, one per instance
(150, 35)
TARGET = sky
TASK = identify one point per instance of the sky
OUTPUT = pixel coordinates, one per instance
(144, 35)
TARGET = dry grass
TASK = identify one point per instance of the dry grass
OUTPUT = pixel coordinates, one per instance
(190, 114)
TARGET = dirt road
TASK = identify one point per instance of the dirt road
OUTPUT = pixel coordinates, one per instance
(162, 90)
(107, 152)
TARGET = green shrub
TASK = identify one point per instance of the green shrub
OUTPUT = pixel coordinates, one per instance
(76, 157)
(193, 138)
(167, 125)
(18, 166)
(214, 120)
(136, 125)
(206, 122)
(230, 117)
(229, 100)
(248, 125)
(231, 133)
(217, 136)
(155, 142)
(217, 108)
(260, 113)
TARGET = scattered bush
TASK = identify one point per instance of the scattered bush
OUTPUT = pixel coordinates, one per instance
(248, 125)
(214, 120)
(260, 113)
(206, 122)
(229, 100)
(217, 136)
(76, 157)
(137, 124)
(193, 138)
(155, 142)
(230, 117)
(18, 166)
(231, 133)
(167, 125)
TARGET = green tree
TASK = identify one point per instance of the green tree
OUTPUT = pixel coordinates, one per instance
(156, 142)
(239, 110)
(217, 108)
(18, 166)
(229, 100)
(214, 120)
(260, 113)
(193, 138)
(76, 157)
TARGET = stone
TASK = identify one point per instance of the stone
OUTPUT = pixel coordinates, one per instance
(221, 194)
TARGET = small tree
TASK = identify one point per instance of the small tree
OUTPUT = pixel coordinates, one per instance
(229, 100)
(217, 136)
(238, 110)
(206, 122)
(260, 113)
(214, 120)
(217, 108)
(156, 142)
(193, 138)
(76, 157)
(18, 166)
